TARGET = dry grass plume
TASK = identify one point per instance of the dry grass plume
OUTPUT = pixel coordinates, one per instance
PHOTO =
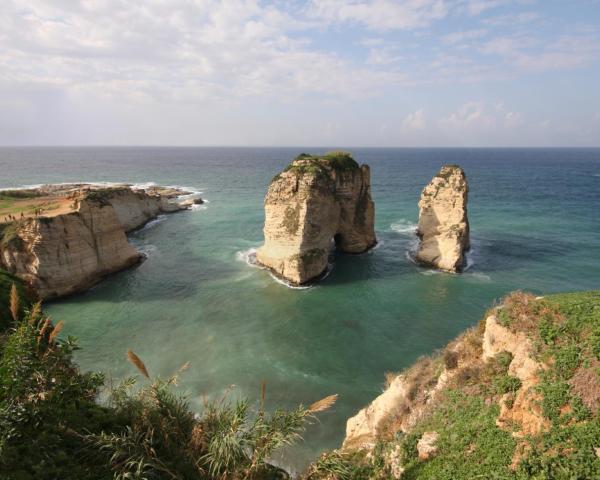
(137, 363)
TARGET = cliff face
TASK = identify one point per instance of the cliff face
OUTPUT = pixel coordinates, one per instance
(443, 223)
(314, 201)
(69, 252)
(515, 397)
(136, 208)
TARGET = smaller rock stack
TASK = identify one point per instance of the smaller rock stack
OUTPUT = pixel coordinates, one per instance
(443, 224)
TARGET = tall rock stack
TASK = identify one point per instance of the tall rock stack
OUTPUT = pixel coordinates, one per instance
(314, 201)
(443, 224)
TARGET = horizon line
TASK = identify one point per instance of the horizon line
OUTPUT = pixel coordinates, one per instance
(307, 146)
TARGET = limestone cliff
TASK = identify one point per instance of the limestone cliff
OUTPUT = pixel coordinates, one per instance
(516, 393)
(443, 224)
(83, 241)
(134, 208)
(316, 201)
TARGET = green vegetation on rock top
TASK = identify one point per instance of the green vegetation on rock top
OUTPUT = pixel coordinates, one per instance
(321, 165)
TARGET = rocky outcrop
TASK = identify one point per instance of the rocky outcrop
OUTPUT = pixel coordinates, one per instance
(411, 395)
(69, 252)
(316, 201)
(135, 208)
(524, 409)
(394, 409)
(443, 224)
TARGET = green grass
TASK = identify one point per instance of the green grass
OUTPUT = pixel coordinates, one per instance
(6, 282)
(53, 426)
(470, 445)
(321, 165)
(565, 332)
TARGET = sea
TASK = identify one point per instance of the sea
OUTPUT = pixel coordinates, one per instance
(535, 226)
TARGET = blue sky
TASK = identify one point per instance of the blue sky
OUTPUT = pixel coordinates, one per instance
(310, 73)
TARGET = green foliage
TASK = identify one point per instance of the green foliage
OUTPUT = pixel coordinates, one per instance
(320, 165)
(549, 331)
(564, 453)
(503, 317)
(341, 465)
(566, 360)
(505, 384)
(52, 426)
(565, 330)
(45, 406)
(470, 444)
(6, 282)
(9, 237)
(18, 194)
(503, 360)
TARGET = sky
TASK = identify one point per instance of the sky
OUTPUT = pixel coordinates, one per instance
(405, 73)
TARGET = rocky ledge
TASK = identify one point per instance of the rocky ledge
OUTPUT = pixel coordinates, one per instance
(314, 202)
(516, 396)
(443, 224)
(61, 239)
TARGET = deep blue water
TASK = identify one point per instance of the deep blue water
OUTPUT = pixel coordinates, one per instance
(535, 222)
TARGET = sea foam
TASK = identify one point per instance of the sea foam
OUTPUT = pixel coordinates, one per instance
(404, 226)
(249, 257)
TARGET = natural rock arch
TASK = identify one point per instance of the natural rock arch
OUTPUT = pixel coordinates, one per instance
(314, 201)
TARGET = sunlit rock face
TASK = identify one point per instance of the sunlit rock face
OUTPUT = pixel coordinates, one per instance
(60, 254)
(443, 224)
(314, 201)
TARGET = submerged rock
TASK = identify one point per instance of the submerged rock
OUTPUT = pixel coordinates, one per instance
(314, 201)
(443, 224)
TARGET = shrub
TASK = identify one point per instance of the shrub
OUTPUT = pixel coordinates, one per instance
(52, 427)
(505, 384)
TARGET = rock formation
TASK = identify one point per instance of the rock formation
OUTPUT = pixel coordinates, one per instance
(411, 395)
(314, 201)
(70, 251)
(443, 224)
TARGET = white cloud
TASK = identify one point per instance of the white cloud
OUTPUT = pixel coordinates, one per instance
(177, 50)
(381, 14)
(471, 114)
(477, 7)
(527, 53)
(415, 120)
(461, 36)
(512, 19)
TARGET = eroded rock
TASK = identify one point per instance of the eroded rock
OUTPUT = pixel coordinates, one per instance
(69, 249)
(314, 201)
(443, 224)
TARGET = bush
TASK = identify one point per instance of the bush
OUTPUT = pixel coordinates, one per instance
(52, 427)
(505, 384)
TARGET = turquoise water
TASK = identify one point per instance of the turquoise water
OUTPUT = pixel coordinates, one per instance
(535, 220)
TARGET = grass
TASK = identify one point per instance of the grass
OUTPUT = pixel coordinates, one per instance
(52, 425)
(11, 202)
(6, 282)
(320, 166)
(565, 333)
(9, 236)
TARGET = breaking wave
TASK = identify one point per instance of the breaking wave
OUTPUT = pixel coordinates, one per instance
(404, 226)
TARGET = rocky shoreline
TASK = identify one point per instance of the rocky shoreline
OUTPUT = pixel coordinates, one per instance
(63, 239)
